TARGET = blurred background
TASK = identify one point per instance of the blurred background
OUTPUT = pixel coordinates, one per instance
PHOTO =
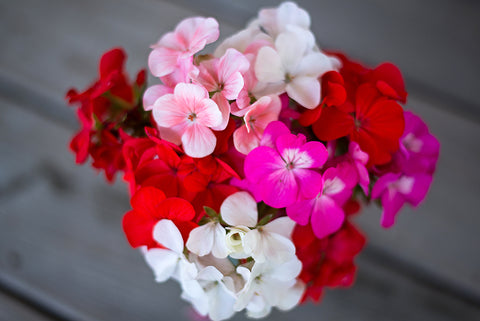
(63, 255)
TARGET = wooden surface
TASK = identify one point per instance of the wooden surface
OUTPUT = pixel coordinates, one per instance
(63, 255)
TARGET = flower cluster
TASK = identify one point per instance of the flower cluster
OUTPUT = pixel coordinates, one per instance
(245, 165)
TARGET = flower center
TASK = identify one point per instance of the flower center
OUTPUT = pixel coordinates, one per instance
(191, 117)
(358, 124)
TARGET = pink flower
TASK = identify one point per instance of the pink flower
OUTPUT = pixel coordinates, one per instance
(323, 210)
(224, 77)
(284, 168)
(259, 115)
(419, 150)
(177, 47)
(189, 114)
(395, 190)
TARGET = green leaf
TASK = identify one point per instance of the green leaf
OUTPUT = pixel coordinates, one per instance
(210, 212)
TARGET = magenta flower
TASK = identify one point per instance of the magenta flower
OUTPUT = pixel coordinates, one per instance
(283, 169)
(395, 190)
(189, 114)
(324, 209)
(419, 150)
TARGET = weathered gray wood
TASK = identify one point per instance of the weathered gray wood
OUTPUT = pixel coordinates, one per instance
(64, 245)
(13, 310)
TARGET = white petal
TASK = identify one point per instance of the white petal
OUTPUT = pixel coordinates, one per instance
(163, 263)
(258, 307)
(166, 233)
(210, 273)
(314, 65)
(290, 13)
(201, 239)
(268, 66)
(219, 248)
(272, 247)
(305, 91)
(240, 209)
(221, 303)
(290, 48)
(287, 271)
(291, 297)
(282, 225)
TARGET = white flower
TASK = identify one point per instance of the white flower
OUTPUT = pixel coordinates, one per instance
(268, 285)
(269, 242)
(166, 263)
(239, 210)
(208, 238)
(272, 241)
(294, 66)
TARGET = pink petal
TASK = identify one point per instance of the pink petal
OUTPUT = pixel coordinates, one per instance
(279, 189)
(327, 217)
(261, 162)
(231, 63)
(224, 107)
(162, 61)
(198, 141)
(232, 86)
(167, 112)
(188, 95)
(420, 188)
(153, 93)
(245, 141)
(392, 203)
(312, 155)
(272, 132)
(301, 211)
(309, 181)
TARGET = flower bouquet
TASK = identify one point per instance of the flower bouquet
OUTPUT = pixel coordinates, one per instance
(245, 165)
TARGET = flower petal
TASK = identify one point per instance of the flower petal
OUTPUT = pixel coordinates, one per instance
(305, 91)
(163, 263)
(198, 141)
(167, 234)
(240, 209)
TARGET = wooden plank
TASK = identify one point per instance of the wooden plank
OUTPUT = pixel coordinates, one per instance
(69, 251)
(11, 309)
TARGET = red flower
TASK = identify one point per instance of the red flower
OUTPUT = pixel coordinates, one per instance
(109, 109)
(150, 206)
(374, 122)
(327, 262)
(334, 94)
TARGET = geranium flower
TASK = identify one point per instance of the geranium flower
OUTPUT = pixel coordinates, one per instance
(283, 168)
(374, 122)
(269, 285)
(324, 211)
(190, 114)
(293, 66)
(176, 49)
(394, 190)
(223, 77)
(256, 119)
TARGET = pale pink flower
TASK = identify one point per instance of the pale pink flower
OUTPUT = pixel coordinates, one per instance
(224, 77)
(174, 48)
(256, 119)
(189, 114)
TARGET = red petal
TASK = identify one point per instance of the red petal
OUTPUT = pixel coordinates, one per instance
(147, 200)
(176, 209)
(112, 61)
(138, 228)
(333, 124)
